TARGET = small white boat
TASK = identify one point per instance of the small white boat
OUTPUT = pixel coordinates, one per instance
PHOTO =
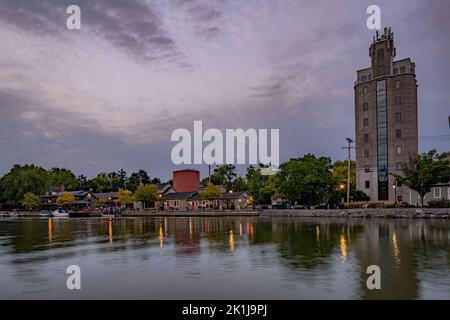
(60, 213)
(45, 213)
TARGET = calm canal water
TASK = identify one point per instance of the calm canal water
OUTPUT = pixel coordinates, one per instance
(224, 258)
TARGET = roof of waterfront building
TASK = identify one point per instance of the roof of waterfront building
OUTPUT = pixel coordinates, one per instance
(180, 195)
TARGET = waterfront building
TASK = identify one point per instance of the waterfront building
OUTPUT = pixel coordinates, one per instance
(385, 120)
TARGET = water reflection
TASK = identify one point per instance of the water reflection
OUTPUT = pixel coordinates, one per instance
(277, 257)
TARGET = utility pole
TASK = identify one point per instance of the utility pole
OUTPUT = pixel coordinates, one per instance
(348, 147)
(209, 174)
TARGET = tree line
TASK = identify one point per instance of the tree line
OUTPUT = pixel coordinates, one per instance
(23, 179)
(307, 180)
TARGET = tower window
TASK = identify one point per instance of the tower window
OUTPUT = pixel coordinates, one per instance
(399, 149)
(366, 137)
(398, 116)
(398, 165)
(398, 100)
(380, 53)
(364, 91)
(398, 133)
(397, 84)
(366, 153)
(366, 122)
(365, 106)
(402, 69)
(366, 168)
(367, 183)
(395, 70)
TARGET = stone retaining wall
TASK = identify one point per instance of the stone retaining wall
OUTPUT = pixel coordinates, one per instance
(440, 213)
(363, 213)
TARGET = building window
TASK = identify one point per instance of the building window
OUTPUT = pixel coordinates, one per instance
(398, 133)
(448, 193)
(366, 153)
(365, 91)
(380, 53)
(364, 78)
(398, 116)
(366, 168)
(398, 100)
(366, 137)
(436, 192)
(367, 184)
(365, 106)
(395, 70)
(370, 76)
(397, 84)
(399, 149)
(380, 70)
(366, 122)
(398, 165)
(402, 69)
(399, 184)
(399, 198)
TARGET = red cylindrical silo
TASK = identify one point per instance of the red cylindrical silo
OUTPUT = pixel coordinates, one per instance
(186, 180)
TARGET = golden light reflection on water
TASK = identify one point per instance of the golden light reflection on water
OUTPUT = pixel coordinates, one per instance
(110, 230)
(161, 236)
(231, 240)
(343, 247)
(318, 239)
(50, 230)
(396, 250)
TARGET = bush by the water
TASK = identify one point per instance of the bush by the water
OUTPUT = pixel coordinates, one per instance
(439, 204)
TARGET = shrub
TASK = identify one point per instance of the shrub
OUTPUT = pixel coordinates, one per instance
(439, 204)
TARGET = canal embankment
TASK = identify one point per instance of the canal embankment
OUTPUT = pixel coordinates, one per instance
(406, 213)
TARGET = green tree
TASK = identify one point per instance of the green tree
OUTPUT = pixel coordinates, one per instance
(125, 197)
(101, 183)
(21, 180)
(146, 193)
(62, 177)
(340, 171)
(83, 183)
(423, 171)
(30, 201)
(65, 199)
(240, 184)
(137, 178)
(262, 187)
(122, 176)
(224, 175)
(307, 180)
(211, 192)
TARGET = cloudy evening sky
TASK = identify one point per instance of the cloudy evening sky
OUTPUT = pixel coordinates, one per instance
(108, 96)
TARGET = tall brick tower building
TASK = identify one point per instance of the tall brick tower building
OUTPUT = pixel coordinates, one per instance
(385, 120)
